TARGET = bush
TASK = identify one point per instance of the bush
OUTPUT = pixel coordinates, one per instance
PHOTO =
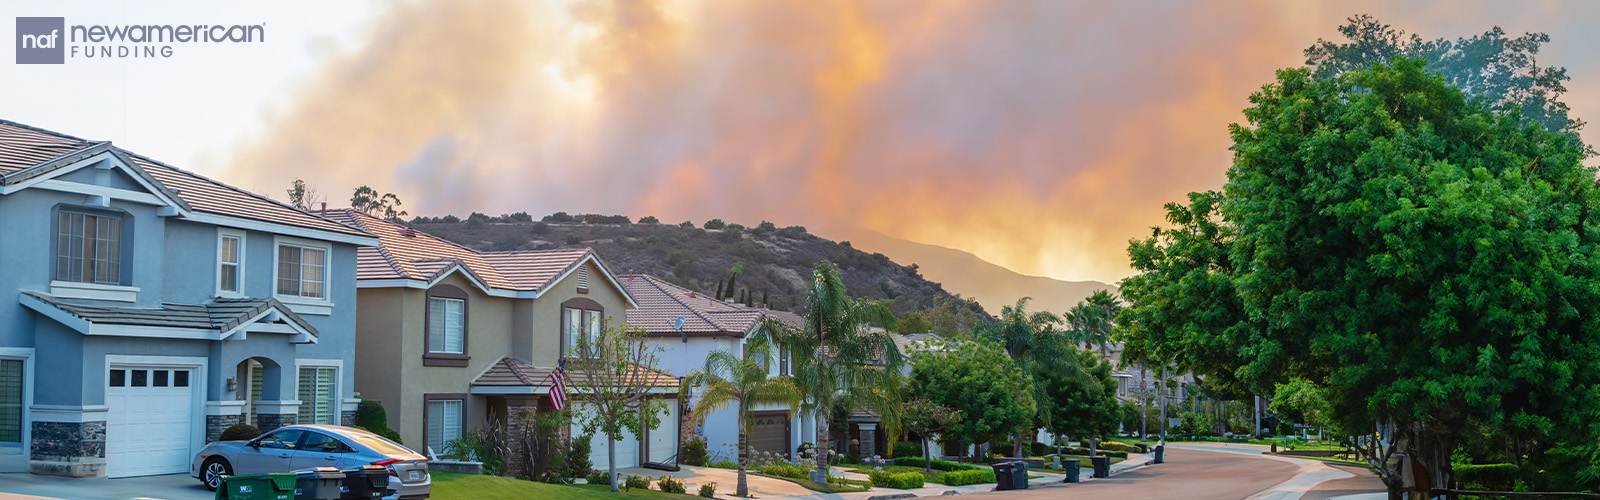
(940, 465)
(598, 476)
(896, 480)
(578, 455)
(670, 484)
(783, 470)
(1494, 477)
(1122, 447)
(906, 449)
(724, 464)
(371, 416)
(694, 452)
(1038, 449)
(240, 432)
(715, 224)
(640, 482)
(966, 477)
(649, 219)
(708, 490)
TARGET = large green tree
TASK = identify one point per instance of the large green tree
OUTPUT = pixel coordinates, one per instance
(1428, 260)
(851, 367)
(1082, 407)
(730, 379)
(978, 379)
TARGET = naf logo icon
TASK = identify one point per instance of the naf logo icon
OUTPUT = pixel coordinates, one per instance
(41, 40)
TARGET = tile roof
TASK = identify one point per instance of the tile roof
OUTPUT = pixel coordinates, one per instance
(514, 372)
(25, 151)
(662, 303)
(405, 253)
(220, 314)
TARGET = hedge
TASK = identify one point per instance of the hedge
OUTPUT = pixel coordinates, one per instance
(897, 480)
(1122, 447)
(940, 465)
(783, 470)
(966, 477)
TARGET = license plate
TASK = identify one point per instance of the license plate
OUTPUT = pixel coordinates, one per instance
(415, 475)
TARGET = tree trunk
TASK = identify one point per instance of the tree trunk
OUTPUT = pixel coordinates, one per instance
(743, 489)
(1016, 444)
(822, 448)
(927, 455)
(611, 461)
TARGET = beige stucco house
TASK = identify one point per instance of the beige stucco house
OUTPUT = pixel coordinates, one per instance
(450, 339)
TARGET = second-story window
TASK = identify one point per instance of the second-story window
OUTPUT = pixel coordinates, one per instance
(580, 323)
(230, 260)
(302, 271)
(88, 248)
(447, 321)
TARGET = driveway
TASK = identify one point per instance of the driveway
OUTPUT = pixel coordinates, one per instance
(24, 486)
(727, 480)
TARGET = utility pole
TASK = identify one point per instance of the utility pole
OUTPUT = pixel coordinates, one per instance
(1257, 401)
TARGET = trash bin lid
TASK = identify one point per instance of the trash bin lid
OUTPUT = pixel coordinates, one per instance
(283, 482)
(320, 473)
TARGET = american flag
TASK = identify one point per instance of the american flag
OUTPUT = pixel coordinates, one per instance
(558, 385)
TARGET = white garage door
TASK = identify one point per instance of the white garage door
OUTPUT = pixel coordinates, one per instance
(627, 447)
(150, 423)
(664, 437)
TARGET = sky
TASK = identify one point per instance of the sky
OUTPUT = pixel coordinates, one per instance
(1039, 135)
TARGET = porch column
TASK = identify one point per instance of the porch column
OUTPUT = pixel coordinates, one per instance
(220, 415)
(869, 443)
(517, 431)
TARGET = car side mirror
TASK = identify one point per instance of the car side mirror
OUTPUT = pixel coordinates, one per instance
(253, 444)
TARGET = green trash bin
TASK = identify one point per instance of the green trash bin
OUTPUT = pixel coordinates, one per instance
(257, 487)
(321, 483)
(1071, 467)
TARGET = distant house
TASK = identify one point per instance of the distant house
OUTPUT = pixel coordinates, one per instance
(689, 326)
(151, 308)
(450, 339)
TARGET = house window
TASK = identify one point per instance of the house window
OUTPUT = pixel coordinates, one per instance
(88, 248)
(302, 271)
(447, 320)
(444, 423)
(580, 323)
(10, 401)
(317, 395)
(230, 262)
(783, 360)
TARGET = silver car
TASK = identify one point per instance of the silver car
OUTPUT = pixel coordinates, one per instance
(299, 447)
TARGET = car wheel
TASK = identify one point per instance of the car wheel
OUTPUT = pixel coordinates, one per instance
(213, 471)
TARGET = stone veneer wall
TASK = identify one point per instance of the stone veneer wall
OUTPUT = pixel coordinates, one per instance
(270, 421)
(215, 424)
(348, 418)
(76, 449)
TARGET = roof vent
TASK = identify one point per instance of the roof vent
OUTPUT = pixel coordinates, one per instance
(691, 294)
(583, 277)
(408, 232)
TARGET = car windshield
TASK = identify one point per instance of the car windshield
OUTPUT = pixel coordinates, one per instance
(381, 445)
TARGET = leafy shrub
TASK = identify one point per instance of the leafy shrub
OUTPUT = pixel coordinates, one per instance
(578, 455)
(574, 238)
(640, 482)
(240, 432)
(649, 219)
(724, 464)
(715, 224)
(371, 416)
(694, 452)
(783, 470)
(939, 465)
(896, 480)
(670, 484)
(966, 477)
(1038, 449)
(598, 476)
(708, 490)
(1122, 447)
(1495, 477)
(482, 445)
(906, 449)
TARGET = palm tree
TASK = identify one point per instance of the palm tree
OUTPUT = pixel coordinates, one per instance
(853, 367)
(729, 379)
(1035, 342)
(1092, 319)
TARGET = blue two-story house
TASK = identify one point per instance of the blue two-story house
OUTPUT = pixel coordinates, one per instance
(144, 309)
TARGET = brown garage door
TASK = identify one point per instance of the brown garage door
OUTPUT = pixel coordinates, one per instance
(770, 432)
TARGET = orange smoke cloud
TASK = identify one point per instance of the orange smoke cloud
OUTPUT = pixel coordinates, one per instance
(1038, 135)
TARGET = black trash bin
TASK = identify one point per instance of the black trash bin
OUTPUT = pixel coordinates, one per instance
(1102, 466)
(366, 482)
(1005, 477)
(1072, 467)
(1160, 450)
(321, 483)
(1020, 472)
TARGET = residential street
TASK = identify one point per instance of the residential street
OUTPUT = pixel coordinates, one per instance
(1189, 473)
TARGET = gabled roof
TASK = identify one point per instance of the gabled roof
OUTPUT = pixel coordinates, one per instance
(221, 316)
(28, 153)
(513, 372)
(404, 253)
(662, 303)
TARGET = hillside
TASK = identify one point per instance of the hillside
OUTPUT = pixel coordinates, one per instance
(776, 262)
(988, 283)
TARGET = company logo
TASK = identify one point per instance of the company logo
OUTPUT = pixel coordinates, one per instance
(48, 40)
(41, 40)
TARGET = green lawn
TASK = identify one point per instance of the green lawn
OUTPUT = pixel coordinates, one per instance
(935, 476)
(848, 486)
(451, 486)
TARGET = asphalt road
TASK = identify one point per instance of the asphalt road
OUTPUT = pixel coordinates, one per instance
(1188, 474)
